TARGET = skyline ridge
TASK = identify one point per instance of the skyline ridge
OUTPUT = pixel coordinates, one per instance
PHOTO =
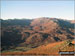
(36, 18)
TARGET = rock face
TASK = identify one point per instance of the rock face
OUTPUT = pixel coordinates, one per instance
(37, 32)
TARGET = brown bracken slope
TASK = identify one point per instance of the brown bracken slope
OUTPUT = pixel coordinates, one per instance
(49, 49)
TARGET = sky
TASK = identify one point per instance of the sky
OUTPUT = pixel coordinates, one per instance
(35, 9)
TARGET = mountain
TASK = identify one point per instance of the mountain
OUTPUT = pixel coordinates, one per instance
(49, 30)
(34, 33)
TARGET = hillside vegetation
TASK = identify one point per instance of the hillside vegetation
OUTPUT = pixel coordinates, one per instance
(48, 49)
(25, 35)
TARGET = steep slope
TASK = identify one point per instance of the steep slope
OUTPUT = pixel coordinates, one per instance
(49, 49)
(52, 49)
(47, 30)
(44, 49)
(45, 24)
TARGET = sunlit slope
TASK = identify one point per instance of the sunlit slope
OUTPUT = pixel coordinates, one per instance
(49, 49)
(52, 48)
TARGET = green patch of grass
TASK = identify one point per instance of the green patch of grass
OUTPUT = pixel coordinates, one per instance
(23, 48)
(61, 45)
(18, 49)
(11, 50)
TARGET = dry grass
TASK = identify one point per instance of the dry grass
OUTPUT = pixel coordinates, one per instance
(49, 49)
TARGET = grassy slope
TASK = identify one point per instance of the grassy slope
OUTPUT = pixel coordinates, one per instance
(49, 49)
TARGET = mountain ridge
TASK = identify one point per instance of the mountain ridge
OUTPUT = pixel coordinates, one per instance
(36, 32)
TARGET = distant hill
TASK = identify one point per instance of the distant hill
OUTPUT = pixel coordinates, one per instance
(15, 22)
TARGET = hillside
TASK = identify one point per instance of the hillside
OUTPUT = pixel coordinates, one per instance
(48, 49)
(33, 33)
(51, 49)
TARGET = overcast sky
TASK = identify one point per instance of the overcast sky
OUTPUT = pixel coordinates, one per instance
(35, 9)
